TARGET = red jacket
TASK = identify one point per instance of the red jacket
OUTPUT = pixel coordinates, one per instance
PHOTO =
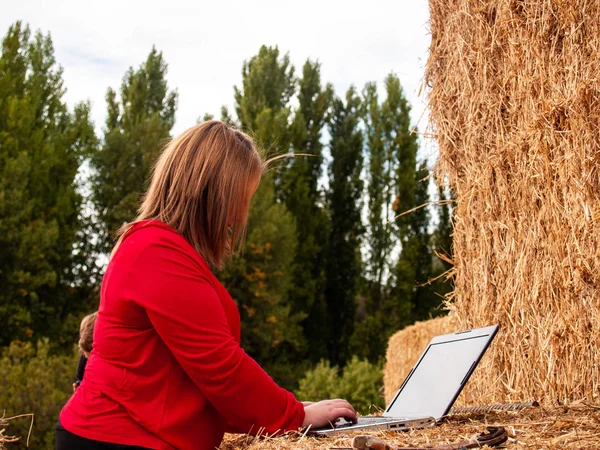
(167, 370)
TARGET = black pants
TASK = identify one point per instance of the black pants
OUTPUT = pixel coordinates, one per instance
(65, 440)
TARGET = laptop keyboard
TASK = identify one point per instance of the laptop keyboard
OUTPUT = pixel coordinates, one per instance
(367, 420)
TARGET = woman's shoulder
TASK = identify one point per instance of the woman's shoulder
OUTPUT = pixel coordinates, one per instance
(148, 238)
(150, 229)
(149, 233)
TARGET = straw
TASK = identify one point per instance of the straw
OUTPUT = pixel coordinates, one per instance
(574, 427)
(514, 94)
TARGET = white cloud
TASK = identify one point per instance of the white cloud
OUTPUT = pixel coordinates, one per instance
(205, 43)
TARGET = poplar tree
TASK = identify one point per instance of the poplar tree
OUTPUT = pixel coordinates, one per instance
(443, 233)
(262, 103)
(345, 199)
(304, 199)
(397, 290)
(402, 146)
(414, 268)
(369, 339)
(137, 127)
(260, 279)
(411, 295)
(380, 167)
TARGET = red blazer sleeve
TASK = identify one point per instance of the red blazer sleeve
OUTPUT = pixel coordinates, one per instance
(187, 314)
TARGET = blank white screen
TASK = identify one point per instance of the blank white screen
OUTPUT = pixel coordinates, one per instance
(437, 378)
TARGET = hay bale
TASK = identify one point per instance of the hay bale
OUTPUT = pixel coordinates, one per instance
(405, 347)
(514, 95)
(573, 428)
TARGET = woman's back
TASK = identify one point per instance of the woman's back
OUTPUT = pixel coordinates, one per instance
(167, 313)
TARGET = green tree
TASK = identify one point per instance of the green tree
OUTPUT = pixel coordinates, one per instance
(343, 261)
(368, 339)
(259, 280)
(397, 310)
(304, 200)
(379, 191)
(414, 269)
(403, 147)
(411, 295)
(136, 129)
(42, 146)
(399, 292)
(262, 104)
(319, 383)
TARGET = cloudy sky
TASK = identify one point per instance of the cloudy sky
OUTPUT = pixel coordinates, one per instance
(205, 43)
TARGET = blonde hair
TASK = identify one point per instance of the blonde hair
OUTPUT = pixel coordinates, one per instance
(201, 180)
(86, 333)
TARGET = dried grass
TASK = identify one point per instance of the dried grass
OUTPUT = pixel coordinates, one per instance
(4, 423)
(574, 427)
(514, 94)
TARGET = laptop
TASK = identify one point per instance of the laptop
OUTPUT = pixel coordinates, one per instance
(431, 387)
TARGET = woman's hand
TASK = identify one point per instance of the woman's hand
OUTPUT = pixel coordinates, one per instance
(327, 412)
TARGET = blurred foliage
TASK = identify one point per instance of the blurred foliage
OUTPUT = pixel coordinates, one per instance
(360, 382)
(35, 381)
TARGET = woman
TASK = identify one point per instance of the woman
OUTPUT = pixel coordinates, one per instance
(167, 370)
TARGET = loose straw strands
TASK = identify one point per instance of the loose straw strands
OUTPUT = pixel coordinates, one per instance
(576, 426)
(514, 93)
(5, 422)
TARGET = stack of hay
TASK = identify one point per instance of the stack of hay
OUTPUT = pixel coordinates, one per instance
(514, 91)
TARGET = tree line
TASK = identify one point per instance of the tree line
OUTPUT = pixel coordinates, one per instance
(327, 272)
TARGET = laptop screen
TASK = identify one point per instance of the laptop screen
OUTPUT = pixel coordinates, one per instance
(436, 380)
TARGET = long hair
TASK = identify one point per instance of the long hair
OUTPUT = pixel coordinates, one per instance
(200, 186)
